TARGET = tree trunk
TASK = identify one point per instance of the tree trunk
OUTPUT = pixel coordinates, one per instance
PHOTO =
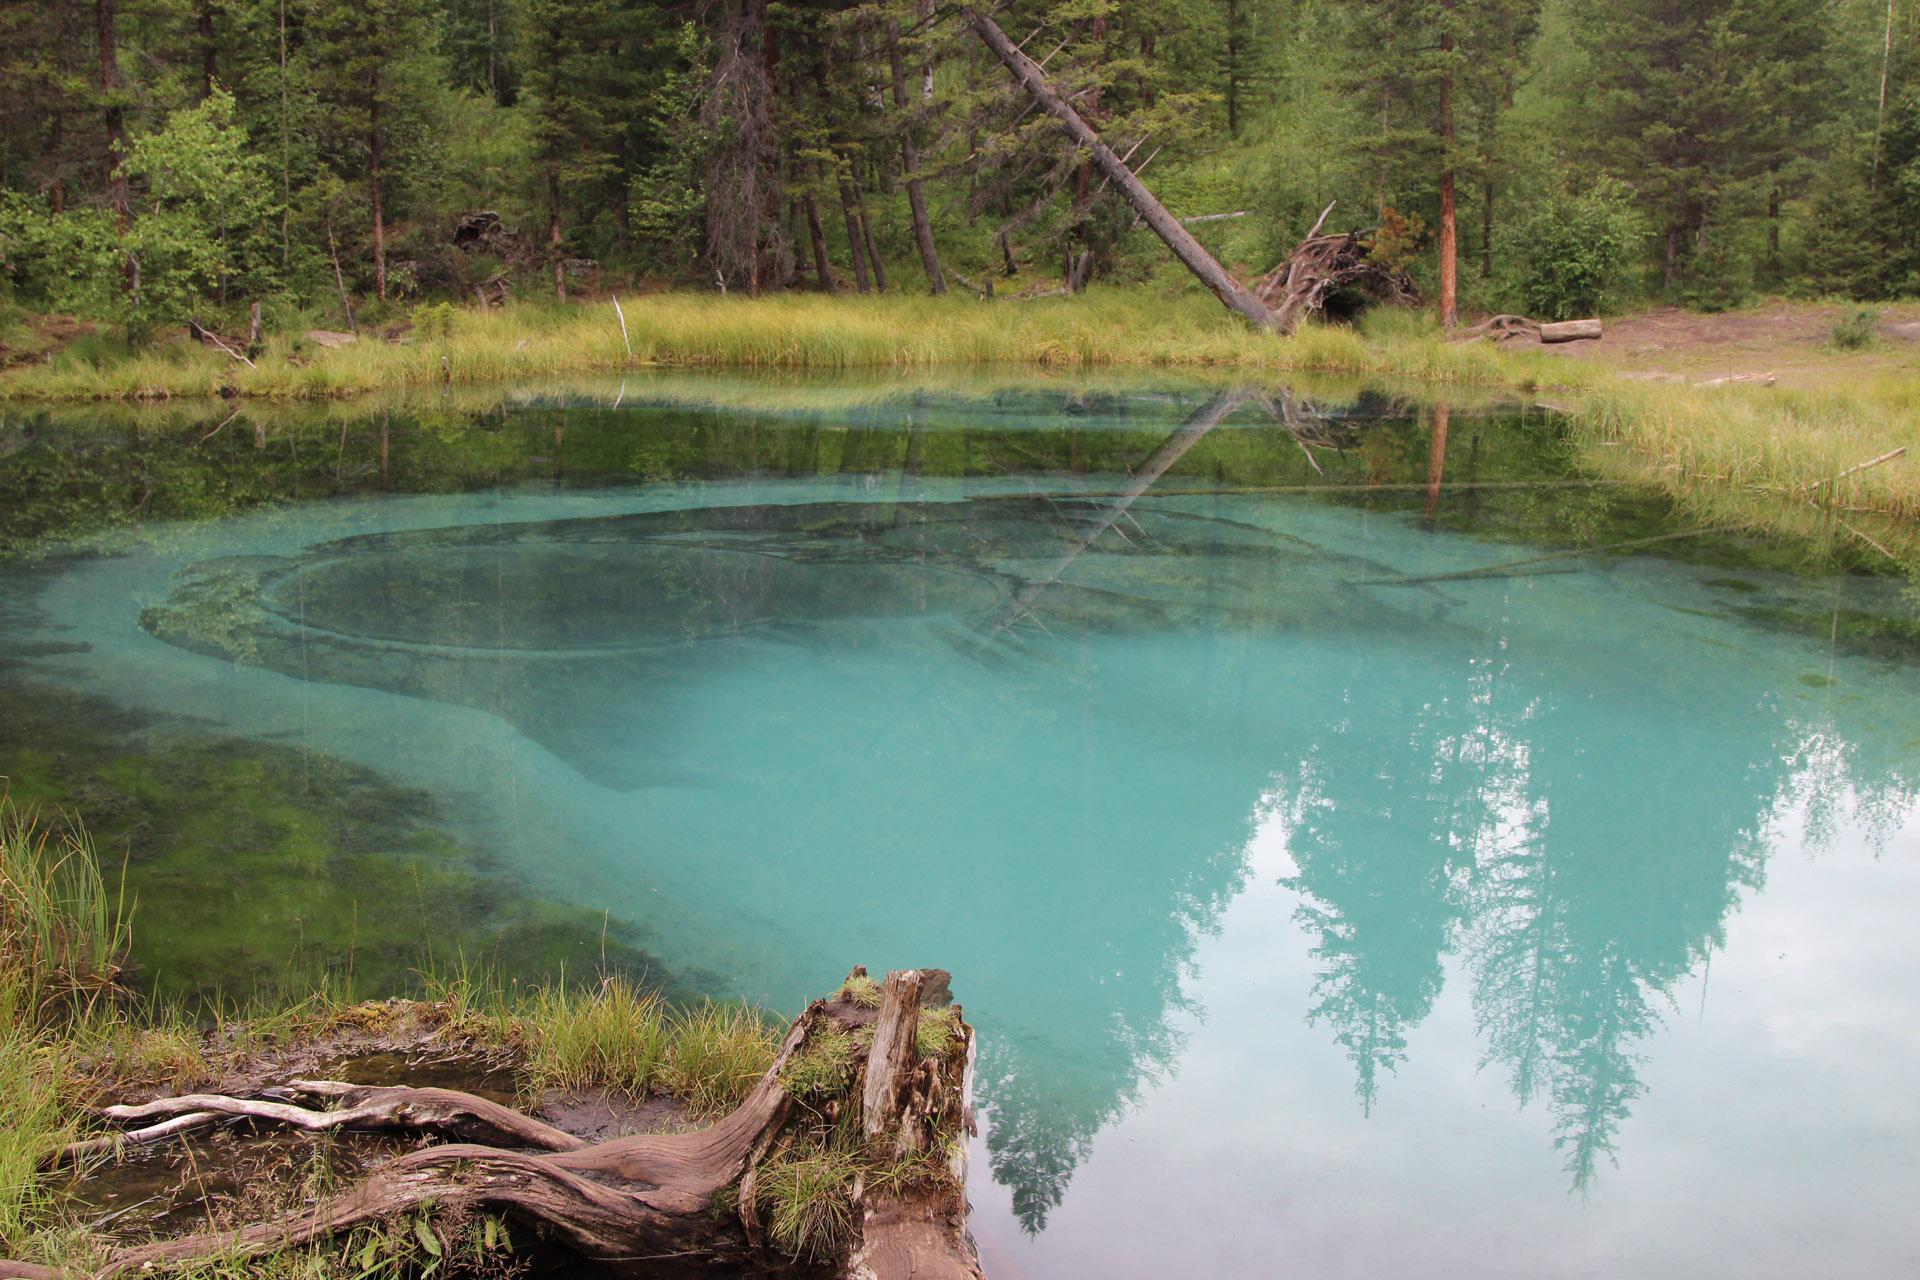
(553, 232)
(209, 48)
(629, 1203)
(379, 215)
(1571, 331)
(1449, 223)
(822, 267)
(1232, 294)
(116, 120)
(856, 245)
(910, 156)
(873, 248)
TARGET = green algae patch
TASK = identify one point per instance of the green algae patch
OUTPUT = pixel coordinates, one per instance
(259, 871)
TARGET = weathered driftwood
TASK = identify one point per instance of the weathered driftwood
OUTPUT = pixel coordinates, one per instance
(1192, 255)
(1571, 331)
(1505, 328)
(635, 1204)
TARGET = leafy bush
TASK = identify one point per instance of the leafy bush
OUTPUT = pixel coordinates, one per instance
(1573, 249)
(1855, 332)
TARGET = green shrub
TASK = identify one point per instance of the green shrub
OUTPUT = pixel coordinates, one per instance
(1573, 249)
(1855, 332)
(435, 321)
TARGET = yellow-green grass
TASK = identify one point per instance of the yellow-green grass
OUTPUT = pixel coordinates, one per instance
(1119, 328)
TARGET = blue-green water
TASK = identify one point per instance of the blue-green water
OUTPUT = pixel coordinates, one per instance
(1320, 907)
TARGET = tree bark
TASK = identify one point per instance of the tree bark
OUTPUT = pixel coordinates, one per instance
(629, 1203)
(910, 156)
(553, 232)
(1232, 294)
(1437, 460)
(379, 215)
(1449, 222)
(822, 266)
(856, 243)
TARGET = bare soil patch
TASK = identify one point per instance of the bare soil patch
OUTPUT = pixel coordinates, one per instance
(1789, 339)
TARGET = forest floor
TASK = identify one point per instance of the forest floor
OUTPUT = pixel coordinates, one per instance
(1791, 340)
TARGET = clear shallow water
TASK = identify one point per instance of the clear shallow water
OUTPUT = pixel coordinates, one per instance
(1546, 921)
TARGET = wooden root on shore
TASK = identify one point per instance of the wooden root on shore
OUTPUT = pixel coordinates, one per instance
(649, 1204)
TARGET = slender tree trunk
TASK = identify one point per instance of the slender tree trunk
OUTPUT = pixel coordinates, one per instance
(1233, 68)
(379, 214)
(822, 268)
(57, 187)
(286, 149)
(1671, 273)
(1486, 228)
(856, 247)
(1880, 117)
(910, 156)
(1773, 218)
(116, 120)
(873, 248)
(340, 281)
(1192, 255)
(209, 49)
(1449, 225)
(553, 231)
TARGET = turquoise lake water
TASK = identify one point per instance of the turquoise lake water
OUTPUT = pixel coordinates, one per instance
(1342, 879)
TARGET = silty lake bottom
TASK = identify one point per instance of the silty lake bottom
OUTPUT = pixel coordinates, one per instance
(1351, 867)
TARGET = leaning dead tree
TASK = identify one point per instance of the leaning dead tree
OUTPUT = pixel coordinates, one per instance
(1319, 267)
(1192, 254)
(884, 1072)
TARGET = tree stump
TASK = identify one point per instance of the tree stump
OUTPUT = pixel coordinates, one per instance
(876, 1080)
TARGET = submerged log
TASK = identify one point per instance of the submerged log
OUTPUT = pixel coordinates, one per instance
(627, 1204)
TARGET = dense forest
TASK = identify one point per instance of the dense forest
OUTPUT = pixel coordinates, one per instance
(167, 160)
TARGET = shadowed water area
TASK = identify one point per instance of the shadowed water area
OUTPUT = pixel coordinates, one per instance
(1369, 841)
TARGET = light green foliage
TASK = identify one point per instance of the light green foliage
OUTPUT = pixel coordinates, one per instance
(1572, 251)
(205, 231)
(63, 928)
(435, 321)
(666, 199)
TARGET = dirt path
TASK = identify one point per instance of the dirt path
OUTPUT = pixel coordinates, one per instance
(1789, 339)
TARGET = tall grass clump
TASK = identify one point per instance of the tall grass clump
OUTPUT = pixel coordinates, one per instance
(718, 1052)
(33, 1121)
(63, 928)
(613, 1036)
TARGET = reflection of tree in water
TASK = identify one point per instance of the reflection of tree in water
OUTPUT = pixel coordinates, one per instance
(1585, 859)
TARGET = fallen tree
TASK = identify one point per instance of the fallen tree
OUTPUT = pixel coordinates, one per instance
(1317, 268)
(873, 1084)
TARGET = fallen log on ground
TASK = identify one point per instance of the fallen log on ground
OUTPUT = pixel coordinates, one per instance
(1504, 328)
(875, 1081)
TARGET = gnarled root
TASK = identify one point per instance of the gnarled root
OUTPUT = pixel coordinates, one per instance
(646, 1204)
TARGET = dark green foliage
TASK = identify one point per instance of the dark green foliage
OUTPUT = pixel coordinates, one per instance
(1746, 136)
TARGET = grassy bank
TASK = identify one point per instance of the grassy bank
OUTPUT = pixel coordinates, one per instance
(1790, 449)
(1101, 330)
(72, 1039)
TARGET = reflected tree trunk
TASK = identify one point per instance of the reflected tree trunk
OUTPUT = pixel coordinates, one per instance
(1437, 461)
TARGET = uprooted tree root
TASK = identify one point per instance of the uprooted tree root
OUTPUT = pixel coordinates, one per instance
(878, 1077)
